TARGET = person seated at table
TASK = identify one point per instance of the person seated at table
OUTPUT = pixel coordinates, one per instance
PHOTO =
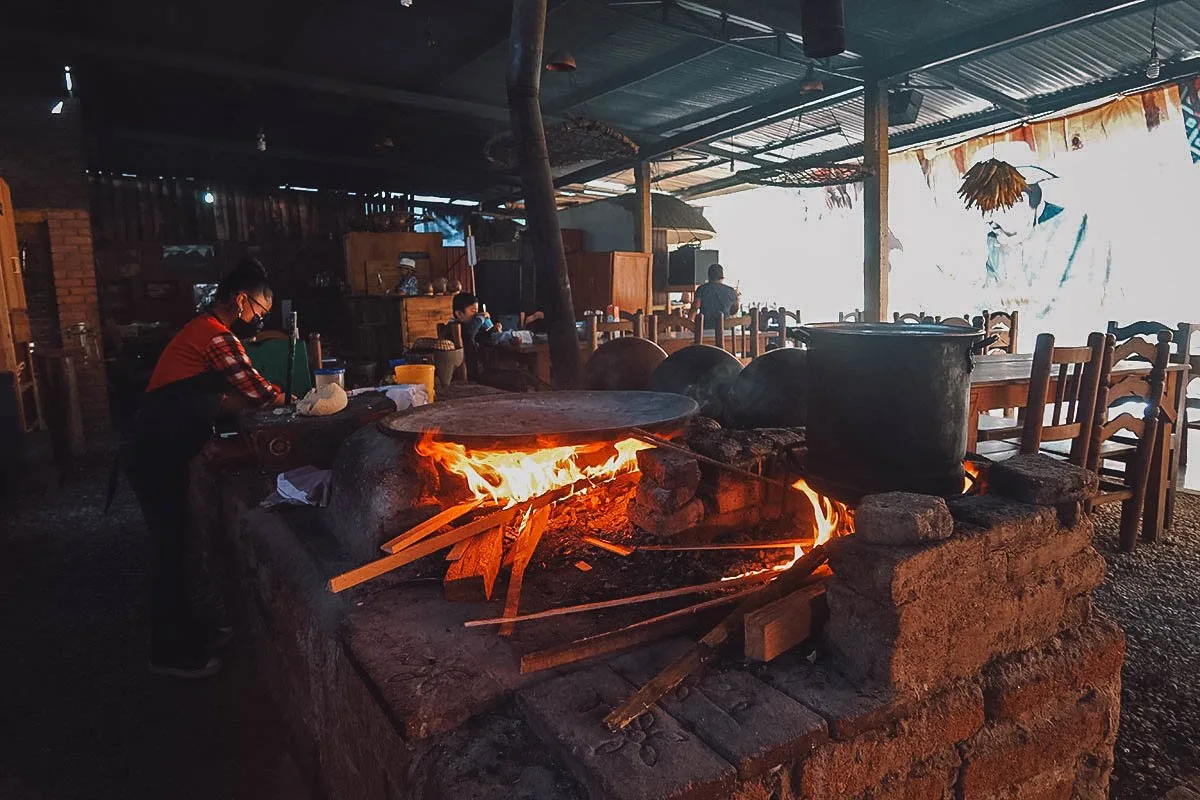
(477, 325)
(715, 297)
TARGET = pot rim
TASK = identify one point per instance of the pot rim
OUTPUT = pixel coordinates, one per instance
(893, 329)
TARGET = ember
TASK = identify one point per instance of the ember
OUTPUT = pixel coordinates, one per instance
(509, 477)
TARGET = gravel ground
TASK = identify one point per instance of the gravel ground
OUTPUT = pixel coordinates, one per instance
(1155, 596)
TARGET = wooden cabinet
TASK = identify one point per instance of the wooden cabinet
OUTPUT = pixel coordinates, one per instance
(14, 316)
(372, 259)
(598, 279)
(384, 327)
(419, 316)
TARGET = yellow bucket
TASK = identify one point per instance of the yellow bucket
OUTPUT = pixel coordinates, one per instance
(416, 373)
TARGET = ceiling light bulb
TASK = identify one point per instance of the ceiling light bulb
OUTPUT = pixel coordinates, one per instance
(1154, 68)
(209, 198)
(261, 144)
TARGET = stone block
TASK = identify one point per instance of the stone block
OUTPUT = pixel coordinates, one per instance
(1009, 753)
(932, 779)
(1060, 544)
(655, 758)
(848, 710)
(747, 722)
(657, 522)
(729, 492)
(903, 518)
(1000, 522)
(1044, 481)
(1050, 602)
(668, 469)
(1065, 668)
(899, 575)
(900, 647)
(651, 496)
(846, 769)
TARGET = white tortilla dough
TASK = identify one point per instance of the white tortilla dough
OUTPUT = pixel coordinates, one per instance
(328, 399)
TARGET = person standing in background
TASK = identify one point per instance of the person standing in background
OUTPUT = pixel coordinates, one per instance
(715, 297)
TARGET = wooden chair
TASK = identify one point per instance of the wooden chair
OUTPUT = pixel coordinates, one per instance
(739, 335)
(911, 319)
(851, 316)
(1181, 341)
(595, 330)
(667, 323)
(776, 319)
(965, 321)
(1124, 438)
(1002, 325)
(1072, 410)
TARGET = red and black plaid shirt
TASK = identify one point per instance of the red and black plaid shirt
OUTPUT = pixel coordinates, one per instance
(205, 345)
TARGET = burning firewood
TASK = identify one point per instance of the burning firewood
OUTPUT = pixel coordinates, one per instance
(431, 525)
(731, 583)
(473, 576)
(707, 648)
(683, 620)
(527, 543)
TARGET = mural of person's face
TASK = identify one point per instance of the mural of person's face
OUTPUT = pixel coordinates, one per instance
(1013, 226)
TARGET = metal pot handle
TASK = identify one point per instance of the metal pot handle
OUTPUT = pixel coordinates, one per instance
(980, 347)
(802, 335)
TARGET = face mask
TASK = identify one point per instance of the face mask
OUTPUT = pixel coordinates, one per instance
(248, 330)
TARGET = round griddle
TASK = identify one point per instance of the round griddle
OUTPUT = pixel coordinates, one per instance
(544, 417)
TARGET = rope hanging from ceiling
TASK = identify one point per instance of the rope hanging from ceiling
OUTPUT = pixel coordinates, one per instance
(572, 141)
(810, 177)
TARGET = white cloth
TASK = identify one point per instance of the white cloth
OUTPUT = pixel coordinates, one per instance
(404, 395)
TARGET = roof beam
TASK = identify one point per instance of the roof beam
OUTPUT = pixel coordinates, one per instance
(1046, 19)
(1038, 107)
(255, 73)
(955, 78)
(672, 59)
(744, 156)
(788, 142)
(730, 125)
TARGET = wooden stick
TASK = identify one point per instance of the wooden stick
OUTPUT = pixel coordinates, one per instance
(666, 594)
(648, 630)
(650, 438)
(473, 577)
(779, 626)
(456, 535)
(457, 551)
(388, 563)
(523, 551)
(776, 545)
(612, 547)
(431, 525)
(706, 649)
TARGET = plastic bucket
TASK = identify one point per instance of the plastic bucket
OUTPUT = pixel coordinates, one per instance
(325, 376)
(416, 373)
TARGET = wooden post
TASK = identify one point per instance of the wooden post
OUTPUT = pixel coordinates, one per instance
(643, 227)
(875, 210)
(529, 137)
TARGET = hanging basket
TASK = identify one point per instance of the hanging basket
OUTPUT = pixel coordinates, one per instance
(569, 142)
(991, 185)
(813, 177)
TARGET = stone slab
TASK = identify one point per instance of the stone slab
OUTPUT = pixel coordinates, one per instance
(899, 575)
(753, 726)
(847, 710)
(431, 672)
(668, 469)
(902, 518)
(1001, 522)
(657, 522)
(655, 758)
(1039, 479)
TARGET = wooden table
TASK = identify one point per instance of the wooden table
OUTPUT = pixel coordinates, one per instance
(1001, 380)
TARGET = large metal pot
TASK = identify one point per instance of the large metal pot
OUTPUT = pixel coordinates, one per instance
(888, 407)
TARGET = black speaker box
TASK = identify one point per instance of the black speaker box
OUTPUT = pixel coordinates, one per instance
(904, 105)
(689, 265)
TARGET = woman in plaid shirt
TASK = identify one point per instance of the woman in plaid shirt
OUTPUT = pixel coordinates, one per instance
(203, 365)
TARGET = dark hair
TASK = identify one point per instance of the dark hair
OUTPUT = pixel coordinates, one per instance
(716, 272)
(249, 276)
(463, 300)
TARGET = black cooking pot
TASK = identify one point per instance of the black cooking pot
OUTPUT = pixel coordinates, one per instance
(888, 407)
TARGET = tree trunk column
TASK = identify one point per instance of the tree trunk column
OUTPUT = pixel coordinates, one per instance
(541, 213)
(875, 210)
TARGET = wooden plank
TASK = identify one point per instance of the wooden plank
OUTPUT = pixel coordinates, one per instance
(708, 647)
(788, 545)
(456, 552)
(665, 594)
(438, 520)
(779, 626)
(875, 206)
(611, 547)
(526, 544)
(473, 577)
(384, 565)
(672, 623)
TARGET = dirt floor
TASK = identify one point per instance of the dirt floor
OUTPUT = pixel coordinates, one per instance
(1155, 596)
(80, 716)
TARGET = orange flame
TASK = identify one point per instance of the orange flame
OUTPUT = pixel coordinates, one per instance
(831, 516)
(971, 476)
(508, 477)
